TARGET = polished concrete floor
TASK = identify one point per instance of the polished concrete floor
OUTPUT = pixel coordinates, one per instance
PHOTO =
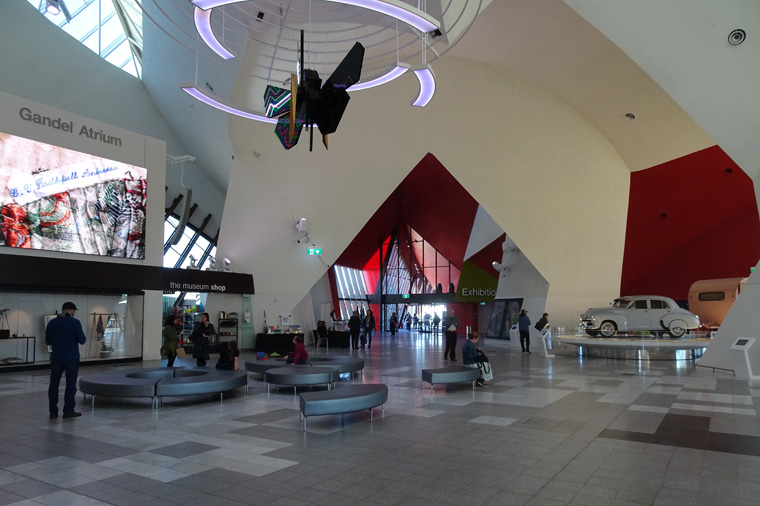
(547, 432)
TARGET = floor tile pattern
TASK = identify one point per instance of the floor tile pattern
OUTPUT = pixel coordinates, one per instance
(546, 432)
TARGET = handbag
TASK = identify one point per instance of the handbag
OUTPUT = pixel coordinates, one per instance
(181, 353)
(486, 374)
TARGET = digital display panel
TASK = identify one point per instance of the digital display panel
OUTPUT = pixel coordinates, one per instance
(742, 342)
(57, 199)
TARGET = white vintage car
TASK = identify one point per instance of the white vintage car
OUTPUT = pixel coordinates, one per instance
(641, 312)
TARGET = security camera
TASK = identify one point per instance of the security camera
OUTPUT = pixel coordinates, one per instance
(501, 269)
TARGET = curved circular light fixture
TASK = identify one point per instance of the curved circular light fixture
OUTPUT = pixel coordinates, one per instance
(216, 103)
(394, 8)
(202, 19)
(427, 85)
(399, 70)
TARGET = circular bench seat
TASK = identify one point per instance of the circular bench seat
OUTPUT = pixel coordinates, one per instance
(341, 364)
(343, 399)
(161, 382)
(301, 375)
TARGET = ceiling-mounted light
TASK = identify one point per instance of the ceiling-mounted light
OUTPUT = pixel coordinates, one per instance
(214, 102)
(202, 20)
(399, 10)
(427, 85)
(53, 7)
(736, 37)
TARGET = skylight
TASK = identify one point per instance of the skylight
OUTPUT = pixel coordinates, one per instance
(98, 25)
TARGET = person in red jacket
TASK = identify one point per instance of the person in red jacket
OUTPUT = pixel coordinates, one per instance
(300, 355)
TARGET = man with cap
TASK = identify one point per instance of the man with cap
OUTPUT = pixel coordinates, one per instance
(64, 335)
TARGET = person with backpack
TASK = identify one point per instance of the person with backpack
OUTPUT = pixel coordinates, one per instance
(474, 358)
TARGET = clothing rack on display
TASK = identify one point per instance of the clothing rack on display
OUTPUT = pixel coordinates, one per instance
(98, 331)
(4, 318)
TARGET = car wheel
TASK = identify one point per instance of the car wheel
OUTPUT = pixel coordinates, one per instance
(677, 328)
(592, 333)
(608, 328)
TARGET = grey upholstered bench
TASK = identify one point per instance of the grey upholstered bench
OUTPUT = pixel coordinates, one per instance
(341, 364)
(343, 399)
(449, 375)
(262, 366)
(200, 381)
(161, 382)
(301, 375)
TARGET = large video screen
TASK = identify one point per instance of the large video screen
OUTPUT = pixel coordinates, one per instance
(56, 199)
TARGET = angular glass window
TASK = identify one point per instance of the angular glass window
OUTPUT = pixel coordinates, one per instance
(114, 34)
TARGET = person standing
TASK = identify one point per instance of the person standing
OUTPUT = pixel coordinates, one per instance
(369, 327)
(523, 325)
(354, 327)
(394, 324)
(450, 323)
(436, 322)
(201, 333)
(543, 322)
(64, 335)
(171, 339)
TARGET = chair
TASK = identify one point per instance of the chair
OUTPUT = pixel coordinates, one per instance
(320, 340)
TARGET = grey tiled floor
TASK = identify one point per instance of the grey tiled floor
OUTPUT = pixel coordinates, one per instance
(553, 432)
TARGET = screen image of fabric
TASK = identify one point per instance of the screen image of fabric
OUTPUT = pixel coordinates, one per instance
(101, 219)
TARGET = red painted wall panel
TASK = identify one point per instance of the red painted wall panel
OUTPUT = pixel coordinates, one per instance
(688, 219)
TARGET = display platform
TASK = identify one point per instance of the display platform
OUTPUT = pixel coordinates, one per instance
(638, 348)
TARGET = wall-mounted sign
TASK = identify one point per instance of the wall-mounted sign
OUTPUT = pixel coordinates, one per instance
(28, 273)
(475, 284)
(314, 251)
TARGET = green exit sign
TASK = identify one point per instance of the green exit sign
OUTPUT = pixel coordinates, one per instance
(314, 251)
(404, 295)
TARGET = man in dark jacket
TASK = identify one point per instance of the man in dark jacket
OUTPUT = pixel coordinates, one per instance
(523, 324)
(64, 335)
(543, 322)
(450, 324)
(354, 327)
